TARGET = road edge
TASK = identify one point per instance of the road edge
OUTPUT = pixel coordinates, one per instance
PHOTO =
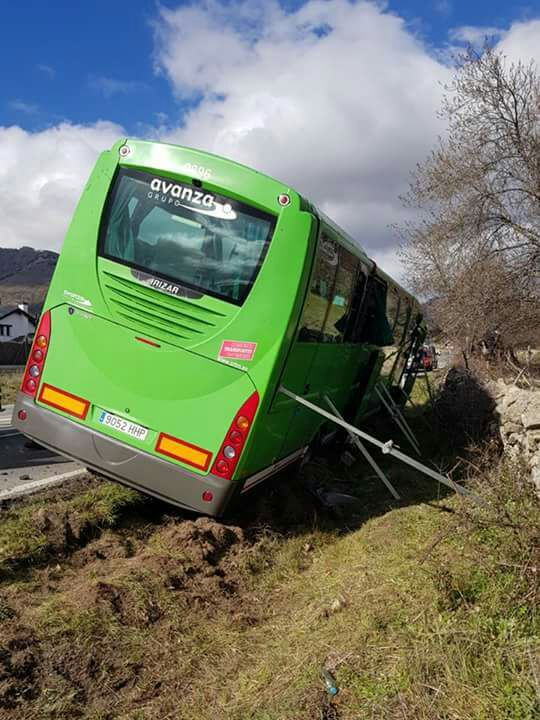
(37, 485)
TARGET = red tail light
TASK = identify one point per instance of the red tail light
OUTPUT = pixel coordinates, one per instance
(231, 448)
(36, 358)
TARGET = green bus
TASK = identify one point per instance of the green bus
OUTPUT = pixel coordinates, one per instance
(188, 290)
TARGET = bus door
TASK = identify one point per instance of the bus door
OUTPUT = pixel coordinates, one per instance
(370, 333)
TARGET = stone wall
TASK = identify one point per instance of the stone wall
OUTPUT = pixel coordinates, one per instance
(519, 418)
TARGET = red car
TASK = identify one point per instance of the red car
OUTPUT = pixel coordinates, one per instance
(425, 359)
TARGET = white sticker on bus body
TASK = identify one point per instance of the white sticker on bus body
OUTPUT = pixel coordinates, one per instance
(77, 299)
(233, 364)
(198, 170)
(124, 426)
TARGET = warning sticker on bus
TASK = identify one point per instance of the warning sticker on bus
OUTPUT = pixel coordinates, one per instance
(237, 350)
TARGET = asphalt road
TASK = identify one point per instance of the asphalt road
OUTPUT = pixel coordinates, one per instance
(17, 451)
(25, 466)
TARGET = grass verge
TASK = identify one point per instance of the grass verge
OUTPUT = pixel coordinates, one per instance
(425, 609)
(33, 532)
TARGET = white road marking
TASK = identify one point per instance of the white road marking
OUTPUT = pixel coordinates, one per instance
(36, 485)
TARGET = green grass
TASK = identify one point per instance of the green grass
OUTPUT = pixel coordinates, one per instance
(31, 531)
(425, 384)
(434, 620)
(422, 610)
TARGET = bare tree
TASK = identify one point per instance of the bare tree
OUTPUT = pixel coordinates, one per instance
(476, 244)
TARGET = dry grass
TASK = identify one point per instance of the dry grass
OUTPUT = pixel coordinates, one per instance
(525, 357)
(423, 610)
(10, 381)
(14, 294)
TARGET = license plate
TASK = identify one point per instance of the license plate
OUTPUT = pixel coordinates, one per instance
(123, 426)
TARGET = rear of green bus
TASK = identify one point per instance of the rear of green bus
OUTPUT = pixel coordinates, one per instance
(166, 321)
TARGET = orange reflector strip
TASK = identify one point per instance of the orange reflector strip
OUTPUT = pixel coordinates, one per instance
(63, 400)
(183, 451)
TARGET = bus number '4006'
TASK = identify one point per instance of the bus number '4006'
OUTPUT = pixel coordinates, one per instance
(197, 171)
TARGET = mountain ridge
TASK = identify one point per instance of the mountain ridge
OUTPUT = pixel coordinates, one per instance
(26, 266)
(25, 274)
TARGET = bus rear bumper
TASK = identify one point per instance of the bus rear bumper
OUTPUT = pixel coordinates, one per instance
(148, 474)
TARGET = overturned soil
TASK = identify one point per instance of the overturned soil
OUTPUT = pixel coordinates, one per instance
(76, 621)
(197, 562)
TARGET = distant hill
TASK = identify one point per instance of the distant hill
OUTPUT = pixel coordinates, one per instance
(25, 274)
(26, 266)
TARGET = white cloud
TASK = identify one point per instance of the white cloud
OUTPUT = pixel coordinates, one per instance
(475, 35)
(338, 99)
(47, 70)
(23, 107)
(342, 115)
(109, 87)
(522, 41)
(41, 177)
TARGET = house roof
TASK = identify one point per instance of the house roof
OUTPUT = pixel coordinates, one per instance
(11, 309)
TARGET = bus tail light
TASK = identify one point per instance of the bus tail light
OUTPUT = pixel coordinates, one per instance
(231, 448)
(37, 355)
(62, 400)
(183, 451)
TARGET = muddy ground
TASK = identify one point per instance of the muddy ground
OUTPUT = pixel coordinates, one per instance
(153, 571)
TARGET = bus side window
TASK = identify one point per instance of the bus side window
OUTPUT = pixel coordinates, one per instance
(402, 320)
(392, 310)
(358, 307)
(403, 335)
(372, 326)
(341, 308)
(320, 292)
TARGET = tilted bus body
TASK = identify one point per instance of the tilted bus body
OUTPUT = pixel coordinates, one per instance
(188, 289)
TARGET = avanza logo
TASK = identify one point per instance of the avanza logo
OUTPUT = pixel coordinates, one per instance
(182, 192)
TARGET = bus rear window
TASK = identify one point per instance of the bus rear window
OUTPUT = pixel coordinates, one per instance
(201, 240)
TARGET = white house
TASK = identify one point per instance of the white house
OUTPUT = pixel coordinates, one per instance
(16, 323)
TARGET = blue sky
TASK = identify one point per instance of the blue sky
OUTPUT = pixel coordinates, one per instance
(83, 62)
(338, 98)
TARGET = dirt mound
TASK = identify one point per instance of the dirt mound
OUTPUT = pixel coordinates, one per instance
(62, 529)
(195, 560)
(115, 582)
(109, 546)
(202, 541)
(19, 660)
(100, 574)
